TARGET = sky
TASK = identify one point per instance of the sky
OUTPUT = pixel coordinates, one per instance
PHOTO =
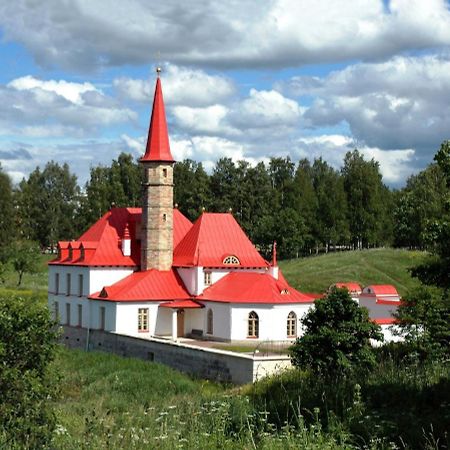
(245, 79)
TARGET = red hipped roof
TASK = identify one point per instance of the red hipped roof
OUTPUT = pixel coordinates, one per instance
(103, 239)
(380, 289)
(158, 148)
(211, 239)
(151, 285)
(253, 287)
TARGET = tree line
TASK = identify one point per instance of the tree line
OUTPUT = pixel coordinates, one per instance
(306, 207)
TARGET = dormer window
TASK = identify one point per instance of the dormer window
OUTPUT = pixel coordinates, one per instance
(231, 260)
(284, 292)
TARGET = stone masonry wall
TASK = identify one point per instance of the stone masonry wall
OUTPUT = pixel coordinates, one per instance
(205, 363)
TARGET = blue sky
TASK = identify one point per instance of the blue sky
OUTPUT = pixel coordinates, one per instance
(243, 79)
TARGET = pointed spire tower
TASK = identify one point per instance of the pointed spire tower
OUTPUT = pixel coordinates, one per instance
(157, 208)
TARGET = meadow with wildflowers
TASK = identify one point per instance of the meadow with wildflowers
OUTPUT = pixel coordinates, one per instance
(110, 402)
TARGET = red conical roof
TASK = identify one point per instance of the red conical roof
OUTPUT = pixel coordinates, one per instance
(158, 148)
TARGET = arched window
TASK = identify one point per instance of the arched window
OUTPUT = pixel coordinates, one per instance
(253, 325)
(231, 260)
(292, 324)
(209, 324)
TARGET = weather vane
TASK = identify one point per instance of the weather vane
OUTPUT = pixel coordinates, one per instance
(158, 65)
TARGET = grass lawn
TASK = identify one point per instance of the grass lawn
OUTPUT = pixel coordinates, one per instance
(377, 266)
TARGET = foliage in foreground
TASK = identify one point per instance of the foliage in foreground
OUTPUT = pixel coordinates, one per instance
(109, 402)
(337, 335)
(397, 405)
(27, 343)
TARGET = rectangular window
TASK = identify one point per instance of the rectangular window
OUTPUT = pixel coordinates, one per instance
(102, 317)
(143, 319)
(67, 313)
(207, 278)
(56, 283)
(56, 311)
(69, 280)
(80, 285)
(80, 315)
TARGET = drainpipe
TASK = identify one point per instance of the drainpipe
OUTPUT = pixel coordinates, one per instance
(88, 331)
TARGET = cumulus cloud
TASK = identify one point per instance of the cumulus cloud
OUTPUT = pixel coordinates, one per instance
(394, 164)
(401, 103)
(70, 91)
(86, 35)
(39, 108)
(182, 86)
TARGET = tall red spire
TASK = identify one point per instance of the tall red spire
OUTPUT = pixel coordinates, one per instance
(158, 148)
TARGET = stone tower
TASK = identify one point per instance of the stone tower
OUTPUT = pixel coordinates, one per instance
(157, 207)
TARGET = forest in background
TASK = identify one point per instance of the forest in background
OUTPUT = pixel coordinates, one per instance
(308, 207)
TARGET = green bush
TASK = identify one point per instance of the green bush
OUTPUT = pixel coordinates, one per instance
(27, 346)
(337, 337)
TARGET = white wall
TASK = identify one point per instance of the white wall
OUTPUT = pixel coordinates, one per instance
(110, 314)
(127, 318)
(377, 310)
(100, 277)
(194, 320)
(93, 280)
(389, 336)
(221, 319)
(164, 322)
(272, 320)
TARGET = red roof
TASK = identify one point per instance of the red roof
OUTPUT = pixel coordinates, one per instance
(102, 241)
(150, 285)
(158, 148)
(214, 237)
(182, 304)
(387, 321)
(253, 287)
(380, 289)
(387, 301)
(351, 287)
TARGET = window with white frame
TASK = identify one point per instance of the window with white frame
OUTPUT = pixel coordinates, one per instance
(207, 277)
(209, 322)
(143, 320)
(231, 260)
(253, 325)
(68, 283)
(56, 283)
(291, 325)
(80, 285)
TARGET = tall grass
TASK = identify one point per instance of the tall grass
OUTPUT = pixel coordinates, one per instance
(109, 402)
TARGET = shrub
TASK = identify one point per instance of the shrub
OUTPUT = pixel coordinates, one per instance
(27, 346)
(337, 337)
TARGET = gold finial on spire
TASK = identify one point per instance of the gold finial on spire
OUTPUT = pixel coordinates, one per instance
(158, 71)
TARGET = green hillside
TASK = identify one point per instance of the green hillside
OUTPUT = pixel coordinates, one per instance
(377, 266)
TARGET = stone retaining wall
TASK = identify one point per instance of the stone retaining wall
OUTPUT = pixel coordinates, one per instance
(211, 364)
